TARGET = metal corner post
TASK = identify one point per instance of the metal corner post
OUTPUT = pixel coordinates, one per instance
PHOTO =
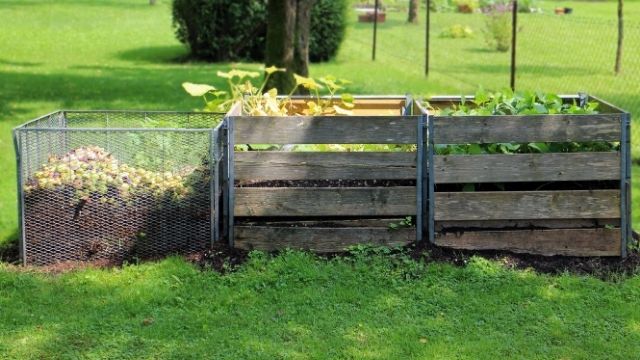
(214, 185)
(419, 181)
(230, 180)
(21, 241)
(625, 183)
(430, 178)
(224, 179)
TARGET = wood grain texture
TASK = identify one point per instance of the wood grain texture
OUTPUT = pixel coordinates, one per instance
(525, 224)
(526, 128)
(527, 167)
(371, 201)
(318, 239)
(516, 205)
(274, 165)
(570, 242)
(340, 223)
(325, 130)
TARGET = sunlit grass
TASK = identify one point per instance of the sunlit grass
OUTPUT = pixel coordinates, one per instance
(299, 306)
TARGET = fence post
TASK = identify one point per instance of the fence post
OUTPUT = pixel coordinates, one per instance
(427, 36)
(375, 30)
(514, 30)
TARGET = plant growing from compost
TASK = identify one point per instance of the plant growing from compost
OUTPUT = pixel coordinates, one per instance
(258, 101)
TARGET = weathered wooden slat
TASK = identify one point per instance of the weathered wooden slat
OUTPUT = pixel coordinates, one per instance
(471, 225)
(341, 223)
(526, 128)
(371, 201)
(527, 205)
(274, 165)
(571, 242)
(320, 240)
(527, 167)
(325, 130)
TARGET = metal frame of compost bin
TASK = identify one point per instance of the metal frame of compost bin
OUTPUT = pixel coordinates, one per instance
(216, 164)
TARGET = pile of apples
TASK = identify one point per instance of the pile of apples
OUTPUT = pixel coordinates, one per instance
(92, 170)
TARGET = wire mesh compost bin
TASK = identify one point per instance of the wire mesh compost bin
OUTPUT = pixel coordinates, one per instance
(117, 185)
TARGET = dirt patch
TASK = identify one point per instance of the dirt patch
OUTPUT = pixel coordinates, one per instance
(220, 258)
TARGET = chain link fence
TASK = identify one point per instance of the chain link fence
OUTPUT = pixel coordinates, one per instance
(112, 186)
(561, 47)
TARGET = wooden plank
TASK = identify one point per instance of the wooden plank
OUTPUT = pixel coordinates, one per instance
(570, 242)
(574, 204)
(319, 240)
(526, 224)
(325, 130)
(527, 167)
(526, 128)
(370, 201)
(341, 223)
(274, 165)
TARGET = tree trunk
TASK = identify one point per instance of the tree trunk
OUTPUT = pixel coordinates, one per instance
(288, 26)
(413, 11)
(618, 66)
(152, 2)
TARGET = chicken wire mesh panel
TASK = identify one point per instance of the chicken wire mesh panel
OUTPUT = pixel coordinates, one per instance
(94, 193)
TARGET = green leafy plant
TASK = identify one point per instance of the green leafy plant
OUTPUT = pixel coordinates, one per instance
(508, 102)
(457, 31)
(258, 102)
(407, 222)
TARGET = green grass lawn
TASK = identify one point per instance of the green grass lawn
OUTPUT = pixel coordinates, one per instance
(296, 306)
(119, 54)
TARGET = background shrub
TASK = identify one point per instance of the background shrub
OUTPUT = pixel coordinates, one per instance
(221, 30)
(234, 30)
(498, 27)
(328, 26)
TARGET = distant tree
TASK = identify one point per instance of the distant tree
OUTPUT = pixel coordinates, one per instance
(152, 2)
(413, 11)
(288, 25)
(618, 65)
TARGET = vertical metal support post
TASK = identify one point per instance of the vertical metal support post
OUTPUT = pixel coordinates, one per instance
(625, 183)
(419, 181)
(514, 31)
(231, 179)
(375, 30)
(427, 36)
(408, 105)
(17, 143)
(430, 179)
(225, 179)
(214, 185)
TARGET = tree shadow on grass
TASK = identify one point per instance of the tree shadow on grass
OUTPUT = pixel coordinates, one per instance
(102, 87)
(156, 54)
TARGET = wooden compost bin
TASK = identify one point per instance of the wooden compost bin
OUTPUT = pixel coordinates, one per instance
(580, 208)
(324, 201)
